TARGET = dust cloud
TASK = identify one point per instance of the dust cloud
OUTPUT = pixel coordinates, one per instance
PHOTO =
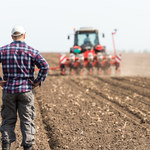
(135, 64)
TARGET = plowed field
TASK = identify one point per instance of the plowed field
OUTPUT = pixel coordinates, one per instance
(94, 112)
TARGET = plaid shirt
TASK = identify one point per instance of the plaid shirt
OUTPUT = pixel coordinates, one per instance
(18, 63)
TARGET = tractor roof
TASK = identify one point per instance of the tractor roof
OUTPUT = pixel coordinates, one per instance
(87, 29)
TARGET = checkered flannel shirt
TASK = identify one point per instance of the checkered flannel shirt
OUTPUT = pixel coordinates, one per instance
(18, 64)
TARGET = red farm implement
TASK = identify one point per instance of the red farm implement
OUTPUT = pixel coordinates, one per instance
(87, 55)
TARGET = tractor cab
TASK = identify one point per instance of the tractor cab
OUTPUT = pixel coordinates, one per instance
(86, 39)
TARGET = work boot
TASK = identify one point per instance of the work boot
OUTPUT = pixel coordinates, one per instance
(5, 146)
(27, 147)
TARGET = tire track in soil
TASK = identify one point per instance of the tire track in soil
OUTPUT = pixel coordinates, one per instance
(47, 123)
(49, 128)
(145, 98)
(135, 103)
(128, 88)
(71, 85)
(127, 92)
(137, 81)
(142, 91)
(115, 105)
(41, 139)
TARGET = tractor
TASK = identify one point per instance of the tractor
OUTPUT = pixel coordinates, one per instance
(87, 53)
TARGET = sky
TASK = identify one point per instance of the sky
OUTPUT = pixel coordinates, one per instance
(48, 22)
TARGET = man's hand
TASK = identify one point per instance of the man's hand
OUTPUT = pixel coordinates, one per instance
(36, 84)
(2, 83)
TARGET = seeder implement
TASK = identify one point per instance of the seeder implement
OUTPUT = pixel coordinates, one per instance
(78, 63)
(87, 55)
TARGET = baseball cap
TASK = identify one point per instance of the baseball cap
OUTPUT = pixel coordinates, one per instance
(18, 29)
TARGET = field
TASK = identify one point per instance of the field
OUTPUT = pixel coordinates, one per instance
(93, 112)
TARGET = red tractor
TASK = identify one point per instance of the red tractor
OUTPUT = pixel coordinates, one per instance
(88, 54)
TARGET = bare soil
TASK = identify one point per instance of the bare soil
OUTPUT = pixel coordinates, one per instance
(93, 112)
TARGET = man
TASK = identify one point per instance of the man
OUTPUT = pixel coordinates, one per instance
(18, 63)
(87, 39)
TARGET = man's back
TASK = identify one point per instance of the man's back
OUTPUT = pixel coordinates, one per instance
(18, 62)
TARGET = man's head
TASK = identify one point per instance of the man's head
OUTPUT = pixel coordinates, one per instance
(18, 33)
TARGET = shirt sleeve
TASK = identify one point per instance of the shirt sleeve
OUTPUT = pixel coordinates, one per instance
(0, 56)
(43, 67)
(0, 62)
(1, 78)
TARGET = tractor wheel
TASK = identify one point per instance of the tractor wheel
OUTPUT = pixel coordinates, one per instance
(62, 69)
(90, 68)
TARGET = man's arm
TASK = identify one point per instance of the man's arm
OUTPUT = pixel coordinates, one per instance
(41, 63)
(2, 83)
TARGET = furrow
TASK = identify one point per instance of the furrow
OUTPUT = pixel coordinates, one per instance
(115, 105)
